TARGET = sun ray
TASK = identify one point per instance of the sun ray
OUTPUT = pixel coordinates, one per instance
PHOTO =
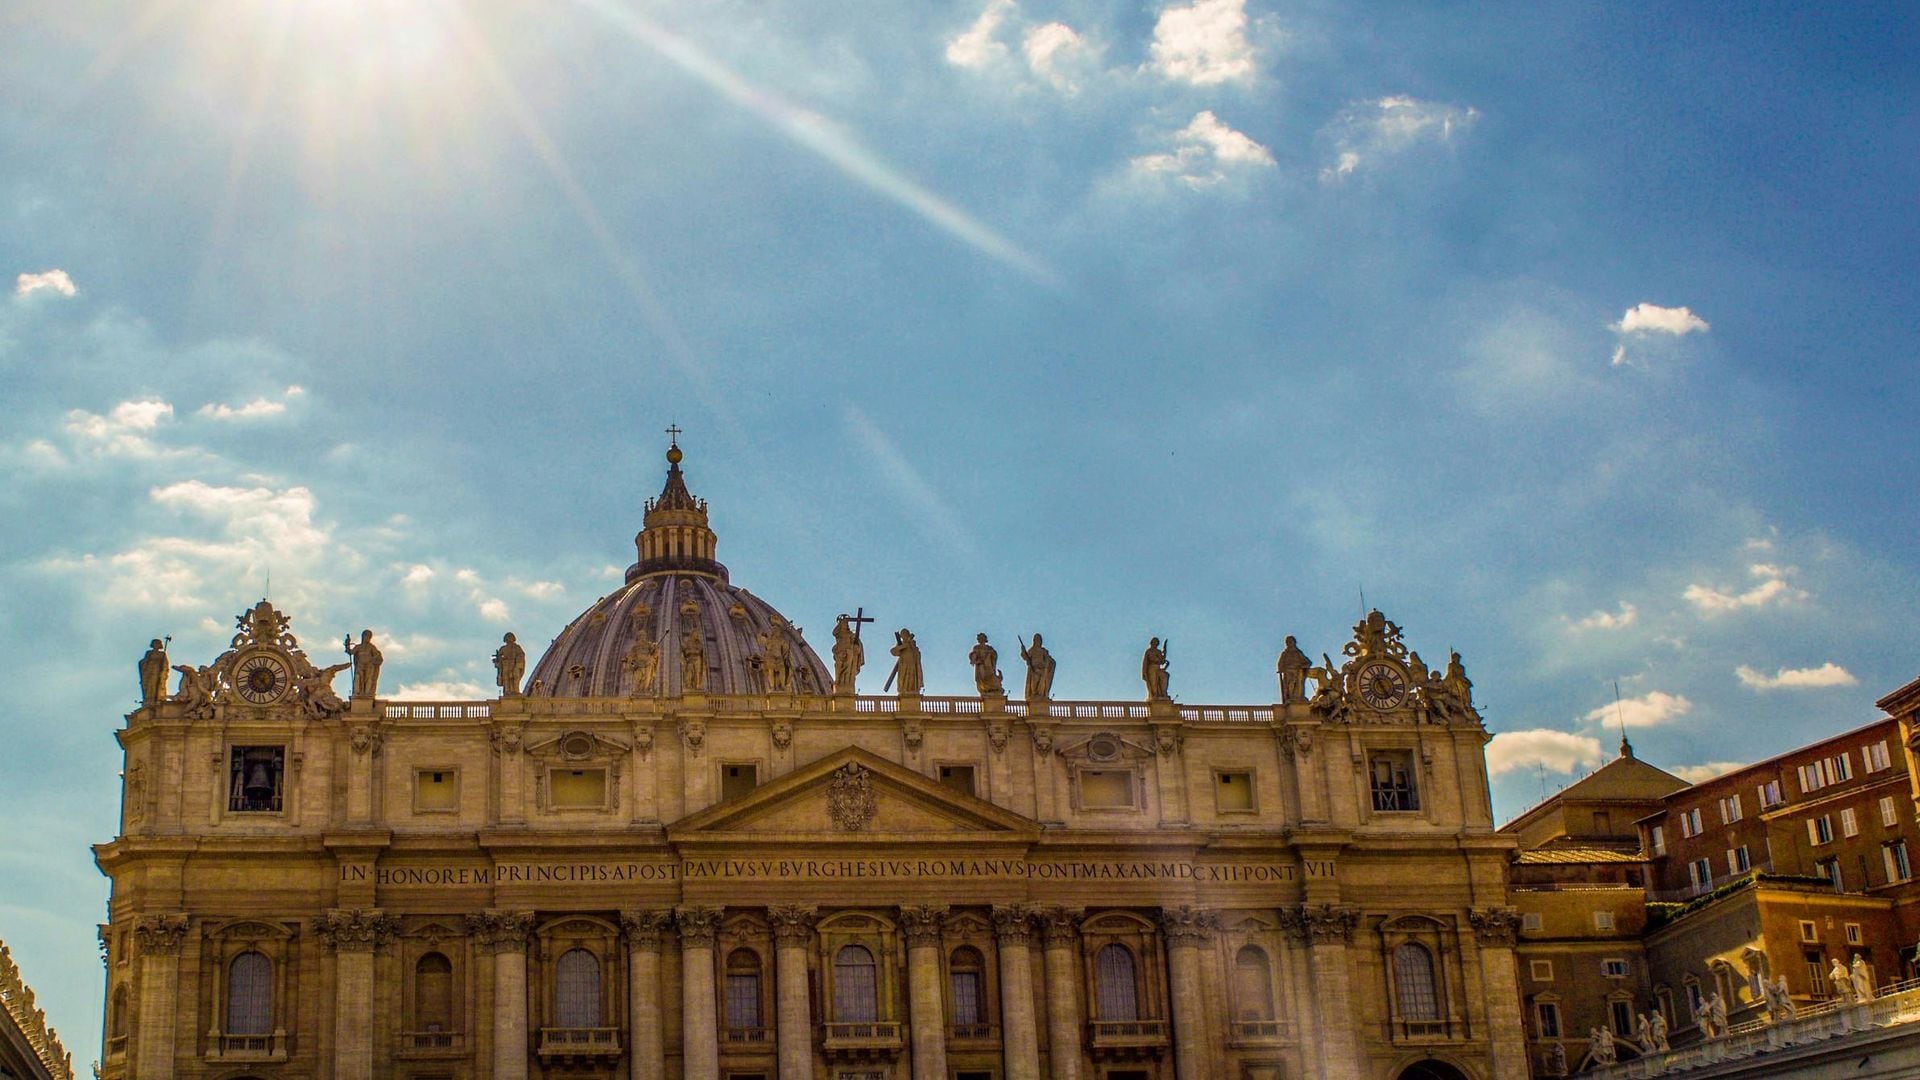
(821, 136)
(266, 65)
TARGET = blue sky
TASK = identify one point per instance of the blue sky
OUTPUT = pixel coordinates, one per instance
(1580, 337)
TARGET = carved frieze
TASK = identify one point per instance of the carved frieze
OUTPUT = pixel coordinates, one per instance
(1320, 923)
(501, 931)
(1185, 925)
(160, 934)
(782, 732)
(851, 802)
(506, 739)
(1013, 923)
(1495, 927)
(645, 927)
(354, 930)
(1060, 926)
(792, 924)
(697, 923)
(922, 923)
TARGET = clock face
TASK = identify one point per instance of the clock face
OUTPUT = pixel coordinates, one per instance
(1382, 686)
(261, 678)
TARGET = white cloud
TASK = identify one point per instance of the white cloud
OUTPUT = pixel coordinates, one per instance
(1648, 710)
(1203, 43)
(1206, 153)
(122, 432)
(1560, 751)
(494, 609)
(51, 281)
(1368, 132)
(541, 590)
(1652, 318)
(417, 575)
(1698, 774)
(257, 409)
(1772, 589)
(1827, 674)
(1610, 620)
(976, 46)
(441, 690)
(1057, 53)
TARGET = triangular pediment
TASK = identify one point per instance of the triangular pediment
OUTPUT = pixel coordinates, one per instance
(853, 795)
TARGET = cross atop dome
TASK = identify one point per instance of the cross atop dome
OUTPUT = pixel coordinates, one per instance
(676, 537)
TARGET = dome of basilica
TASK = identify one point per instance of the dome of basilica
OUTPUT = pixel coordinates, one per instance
(678, 620)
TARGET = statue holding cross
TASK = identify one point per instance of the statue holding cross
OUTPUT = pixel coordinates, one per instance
(849, 655)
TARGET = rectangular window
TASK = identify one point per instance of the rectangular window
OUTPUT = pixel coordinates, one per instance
(1830, 869)
(1816, 972)
(1391, 779)
(1106, 789)
(1622, 1013)
(1530, 920)
(1875, 756)
(1730, 809)
(1889, 812)
(1694, 1000)
(256, 777)
(1770, 795)
(737, 779)
(1848, 825)
(1737, 860)
(436, 791)
(1690, 822)
(1540, 970)
(1820, 830)
(1809, 930)
(968, 1004)
(1603, 920)
(577, 788)
(1233, 791)
(1659, 840)
(959, 778)
(1547, 1018)
(1812, 779)
(1853, 933)
(1613, 969)
(743, 1001)
(1839, 767)
(1895, 855)
(1700, 872)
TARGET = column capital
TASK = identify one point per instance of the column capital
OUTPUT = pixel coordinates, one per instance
(1495, 927)
(501, 931)
(1320, 923)
(792, 923)
(160, 934)
(698, 923)
(922, 923)
(1059, 925)
(1187, 926)
(1013, 923)
(644, 927)
(350, 930)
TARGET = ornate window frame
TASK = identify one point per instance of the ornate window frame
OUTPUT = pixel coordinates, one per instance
(1239, 931)
(971, 930)
(223, 943)
(442, 936)
(744, 931)
(577, 750)
(1436, 936)
(880, 936)
(601, 940)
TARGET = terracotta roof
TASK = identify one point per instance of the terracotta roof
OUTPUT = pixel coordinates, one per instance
(1575, 856)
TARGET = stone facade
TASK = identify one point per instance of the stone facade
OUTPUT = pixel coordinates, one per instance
(737, 870)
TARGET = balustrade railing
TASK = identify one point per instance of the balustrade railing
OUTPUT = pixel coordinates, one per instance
(874, 704)
(430, 1040)
(597, 1041)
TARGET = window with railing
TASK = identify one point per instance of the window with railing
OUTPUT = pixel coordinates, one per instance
(250, 995)
(745, 1009)
(966, 984)
(855, 985)
(433, 993)
(576, 991)
(1116, 984)
(1415, 989)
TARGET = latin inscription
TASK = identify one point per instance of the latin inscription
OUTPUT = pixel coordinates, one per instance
(579, 873)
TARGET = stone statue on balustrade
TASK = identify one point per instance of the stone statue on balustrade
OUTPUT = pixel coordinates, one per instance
(1784, 999)
(1153, 669)
(1842, 980)
(849, 656)
(197, 687)
(906, 664)
(1862, 980)
(643, 665)
(366, 666)
(1293, 667)
(1643, 1034)
(1328, 698)
(1602, 1049)
(1713, 1023)
(317, 698)
(1039, 669)
(986, 671)
(509, 664)
(153, 673)
(693, 660)
(1660, 1044)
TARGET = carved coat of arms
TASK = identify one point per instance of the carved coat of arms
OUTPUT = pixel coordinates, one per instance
(850, 799)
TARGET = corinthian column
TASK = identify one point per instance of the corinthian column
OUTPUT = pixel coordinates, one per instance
(699, 1033)
(1188, 930)
(1328, 931)
(926, 1004)
(1020, 1038)
(504, 934)
(353, 936)
(792, 933)
(1495, 931)
(157, 940)
(643, 930)
(1060, 934)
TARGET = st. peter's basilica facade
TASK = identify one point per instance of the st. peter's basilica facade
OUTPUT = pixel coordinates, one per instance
(673, 848)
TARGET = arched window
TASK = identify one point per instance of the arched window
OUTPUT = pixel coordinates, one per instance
(743, 989)
(966, 981)
(1413, 983)
(856, 996)
(576, 992)
(1116, 988)
(117, 1018)
(1252, 984)
(433, 993)
(250, 995)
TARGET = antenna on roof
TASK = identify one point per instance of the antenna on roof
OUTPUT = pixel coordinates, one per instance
(1619, 711)
(1363, 601)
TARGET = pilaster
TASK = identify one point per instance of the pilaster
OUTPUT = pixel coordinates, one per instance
(792, 934)
(926, 1004)
(157, 941)
(1020, 1037)
(1060, 937)
(504, 934)
(643, 930)
(1187, 930)
(699, 1016)
(353, 936)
